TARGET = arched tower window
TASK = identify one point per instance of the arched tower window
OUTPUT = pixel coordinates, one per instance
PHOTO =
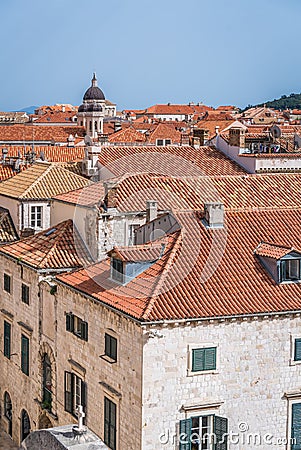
(47, 383)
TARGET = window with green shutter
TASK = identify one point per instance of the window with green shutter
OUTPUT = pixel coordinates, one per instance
(25, 354)
(111, 347)
(297, 351)
(25, 294)
(75, 393)
(7, 339)
(203, 359)
(110, 421)
(7, 283)
(296, 427)
(77, 326)
(204, 433)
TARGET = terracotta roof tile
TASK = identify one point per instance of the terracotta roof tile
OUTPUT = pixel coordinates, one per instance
(237, 285)
(175, 160)
(274, 251)
(52, 153)
(85, 196)
(42, 181)
(147, 252)
(58, 247)
(8, 231)
(31, 133)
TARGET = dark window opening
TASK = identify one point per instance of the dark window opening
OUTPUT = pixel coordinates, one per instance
(110, 424)
(7, 283)
(25, 294)
(111, 347)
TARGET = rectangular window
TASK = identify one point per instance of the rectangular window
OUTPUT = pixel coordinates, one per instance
(296, 427)
(111, 347)
(75, 393)
(132, 233)
(7, 283)
(36, 216)
(160, 142)
(204, 433)
(25, 354)
(117, 270)
(110, 423)
(203, 359)
(25, 294)
(7, 339)
(297, 350)
(77, 326)
(291, 269)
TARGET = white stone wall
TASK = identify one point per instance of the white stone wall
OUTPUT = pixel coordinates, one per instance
(254, 373)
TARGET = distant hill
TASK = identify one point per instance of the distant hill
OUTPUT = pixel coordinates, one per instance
(28, 109)
(292, 101)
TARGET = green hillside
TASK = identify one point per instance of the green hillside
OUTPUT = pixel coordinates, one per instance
(292, 101)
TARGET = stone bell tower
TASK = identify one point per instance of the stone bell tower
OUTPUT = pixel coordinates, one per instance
(92, 111)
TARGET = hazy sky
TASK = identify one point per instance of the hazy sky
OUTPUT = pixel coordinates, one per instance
(147, 52)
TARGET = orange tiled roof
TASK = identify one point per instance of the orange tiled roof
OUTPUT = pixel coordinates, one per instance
(7, 172)
(165, 131)
(170, 109)
(174, 160)
(211, 125)
(127, 135)
(8, 231)
(146, 252)
(59, 247)
(237, 285)
(32, 133)
(57, 117)
(53, 153)
(42, 181)
(238, 193)
(271, 250)
(86, 196)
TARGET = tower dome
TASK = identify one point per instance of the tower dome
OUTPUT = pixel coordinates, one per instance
(94, 92)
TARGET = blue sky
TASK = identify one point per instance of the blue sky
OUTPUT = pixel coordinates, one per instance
(147, 52)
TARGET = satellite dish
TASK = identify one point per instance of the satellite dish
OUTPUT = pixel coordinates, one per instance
(88, 140)
(275, 131)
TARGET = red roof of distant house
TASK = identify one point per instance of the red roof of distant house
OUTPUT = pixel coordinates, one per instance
(32, 133)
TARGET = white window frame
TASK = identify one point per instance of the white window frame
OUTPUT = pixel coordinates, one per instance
(190, 359)
(290, 403)
(33, 210)
(292, 361)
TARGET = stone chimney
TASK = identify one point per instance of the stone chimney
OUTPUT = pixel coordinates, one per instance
(70, 141)
(63, 108)
(217, 129)
(184, 139)
(237, 137)
(203, 135)
(214, 215)
(151, 210)
(103, 139)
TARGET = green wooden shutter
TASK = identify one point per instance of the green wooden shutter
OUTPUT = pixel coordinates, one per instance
(69, 322)
(296, 426)
(113, 348)
(185, 434)
(68, 392)
(220, 429)
(84, 398)
(297, 353)
(84, 330)
(210, 358)
(198, 359)
(7, 337)
(25, 354)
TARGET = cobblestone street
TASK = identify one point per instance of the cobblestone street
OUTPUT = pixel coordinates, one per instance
(6, 443)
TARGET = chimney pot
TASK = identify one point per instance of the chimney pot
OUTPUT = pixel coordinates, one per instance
(214, 214)
(151, 210)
